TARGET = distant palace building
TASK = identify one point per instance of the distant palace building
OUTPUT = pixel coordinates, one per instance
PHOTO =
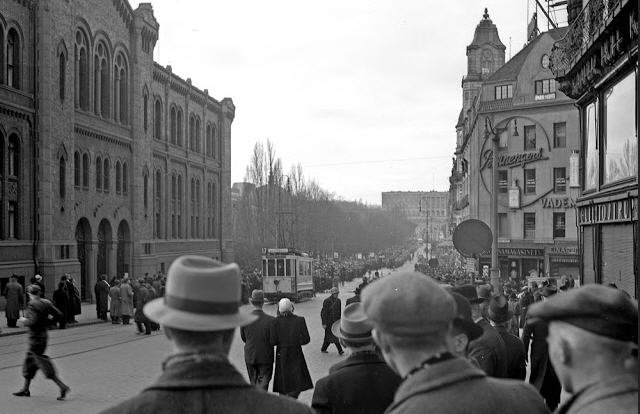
(421, 207)
(109, 163)
(538, 131)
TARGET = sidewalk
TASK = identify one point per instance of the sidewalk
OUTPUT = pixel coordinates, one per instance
(87, 317)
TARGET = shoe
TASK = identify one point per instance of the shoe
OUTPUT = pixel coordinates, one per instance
(22, 393)
(324, 352)
(63, 393)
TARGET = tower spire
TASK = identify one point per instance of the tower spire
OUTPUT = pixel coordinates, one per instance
(486, 14)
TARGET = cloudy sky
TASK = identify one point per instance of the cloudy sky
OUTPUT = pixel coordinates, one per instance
(364, 94)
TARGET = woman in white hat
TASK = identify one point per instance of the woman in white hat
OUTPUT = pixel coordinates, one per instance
(288, 333)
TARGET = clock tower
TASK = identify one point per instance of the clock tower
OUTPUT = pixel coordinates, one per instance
(485, 55)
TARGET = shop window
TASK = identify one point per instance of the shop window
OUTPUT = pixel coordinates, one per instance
(560, 180)
(559, 225)
(560, 135)
(529, 137)
(503, 225)
(503, 181)
(621, 136)
(529, 225)
(530, 181)
(591, 148)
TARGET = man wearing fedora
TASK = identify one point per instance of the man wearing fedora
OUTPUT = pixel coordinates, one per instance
(593, 346)
(411, 317)
(542, 375)
(258, 351)
(488, 350)
(500, 317)
(362, 383)
(331, 310)
(199, 314)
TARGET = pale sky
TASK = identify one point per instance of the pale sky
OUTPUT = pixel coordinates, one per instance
(365, 94)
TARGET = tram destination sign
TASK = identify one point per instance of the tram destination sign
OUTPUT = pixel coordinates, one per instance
(609, 212)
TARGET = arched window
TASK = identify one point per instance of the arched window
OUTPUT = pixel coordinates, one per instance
(192, 132)
(193, 208)
(101, 81)
(125, 179)
(208, 209)
(76, 169)
(13, 211)
(157, 118)
(118, 177)
(179, 127)
(85, 171)
(81, 71)
(208, 140)
(213, 141)
(198, 135)
(179, 208)
(158, 204)
(145, 191)
(121, 90)
(13, 59)
(62, 176)
(213, 209)
(145, 109)
(198, 209)
(173, 125)
(106, 172)
(14, 156)
(62, 68)
(174, 200)
(98, 174)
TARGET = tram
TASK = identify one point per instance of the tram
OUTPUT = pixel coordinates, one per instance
(286, 273)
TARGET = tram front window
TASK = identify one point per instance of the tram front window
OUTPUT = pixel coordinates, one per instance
(290, 266)
(280, 267)
(271, 267)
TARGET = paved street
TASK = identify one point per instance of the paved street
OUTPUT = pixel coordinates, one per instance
(106, 363)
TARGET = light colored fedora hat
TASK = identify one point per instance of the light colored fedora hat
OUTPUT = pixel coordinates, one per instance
(354, 326)
(201, 294)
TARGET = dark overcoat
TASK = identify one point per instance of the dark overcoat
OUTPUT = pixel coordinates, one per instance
(61, 300)
(101, 290)
(205, 387)
(516, 358)
(331, 312)
(257, 348)
(288, 333)
(361, 384)
(14, 294)
(456, 386)
(75, 305)
(114, 294)
(353, 299)
(142, 296)
(536, 335)
(489, 351)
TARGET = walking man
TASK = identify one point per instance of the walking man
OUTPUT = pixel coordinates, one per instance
(37, 319)
(199, 314)
(126, 301)
(331, 310)
(101, 290)
(258, 351)
(14, 294)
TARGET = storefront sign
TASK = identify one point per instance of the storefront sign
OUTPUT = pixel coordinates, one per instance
(512, 160)
(558, 203)
(611, 212)
(565, 259)
(517, 251)
(564, 250)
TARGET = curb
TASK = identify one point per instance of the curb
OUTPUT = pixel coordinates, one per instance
(23, 331)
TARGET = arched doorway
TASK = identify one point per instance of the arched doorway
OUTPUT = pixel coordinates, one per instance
(124, 249)
(104, 248)
(83, 243)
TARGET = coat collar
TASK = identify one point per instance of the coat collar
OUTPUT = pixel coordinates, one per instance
(435, 376)
(621, 384)
(359, 358)
(202, 374)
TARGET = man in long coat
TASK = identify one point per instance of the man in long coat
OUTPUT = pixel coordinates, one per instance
(75, 305)
(501, 316)
(142, 296)
(288, 333)
(101, 290)
(14, 294)
(126, 301)
(258, 351)
(331, 311)
(114, 307)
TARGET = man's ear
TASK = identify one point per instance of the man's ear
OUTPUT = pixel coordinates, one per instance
(379, 340)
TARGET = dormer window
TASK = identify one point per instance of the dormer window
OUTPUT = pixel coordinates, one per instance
(504, 92)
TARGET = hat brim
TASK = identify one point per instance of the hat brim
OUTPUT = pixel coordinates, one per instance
(157, 311)
(502, 318)
(335, 330)
(471, 329)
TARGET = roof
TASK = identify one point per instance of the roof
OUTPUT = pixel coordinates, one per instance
(511, 69)
(486, 32)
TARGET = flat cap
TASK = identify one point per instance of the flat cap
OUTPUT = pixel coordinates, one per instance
(408, 304)
(595, 308)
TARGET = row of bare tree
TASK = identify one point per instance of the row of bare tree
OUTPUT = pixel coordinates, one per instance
(279, 210)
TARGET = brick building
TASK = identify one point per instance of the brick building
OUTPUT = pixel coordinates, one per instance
(109, 163)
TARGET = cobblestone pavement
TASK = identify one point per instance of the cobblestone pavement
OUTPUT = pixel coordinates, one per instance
(105, 363)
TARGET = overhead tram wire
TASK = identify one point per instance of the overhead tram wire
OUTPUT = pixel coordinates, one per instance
(333, 164)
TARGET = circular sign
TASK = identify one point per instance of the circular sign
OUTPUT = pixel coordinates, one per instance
(472, 237)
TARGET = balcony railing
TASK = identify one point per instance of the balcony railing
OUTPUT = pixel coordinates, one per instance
(581, 34)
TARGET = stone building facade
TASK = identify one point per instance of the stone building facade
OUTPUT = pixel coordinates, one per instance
(423, 208)
(110, 163)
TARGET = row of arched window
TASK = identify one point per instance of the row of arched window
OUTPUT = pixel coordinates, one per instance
(101, 80)
(10, 57)
(176, 128)
(11, 187)
(81, 165)
(176, 228)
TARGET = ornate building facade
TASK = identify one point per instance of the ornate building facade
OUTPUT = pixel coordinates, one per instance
(109, 163)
